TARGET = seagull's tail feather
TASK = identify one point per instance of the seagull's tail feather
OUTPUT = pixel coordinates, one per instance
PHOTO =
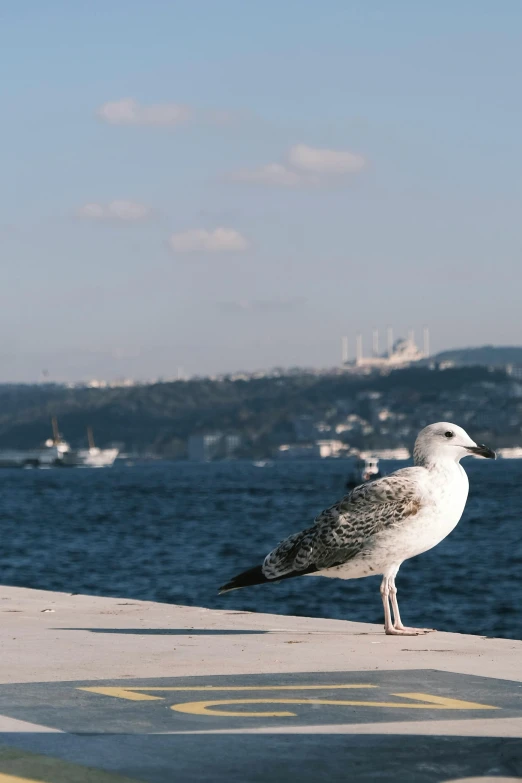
(254, 576)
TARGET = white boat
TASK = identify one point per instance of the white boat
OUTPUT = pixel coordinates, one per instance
(364, 469)
(56, 452)
(93, 457)
(511, 452)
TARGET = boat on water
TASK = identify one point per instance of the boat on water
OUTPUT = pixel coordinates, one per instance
(510, 452)
(92, 457)
(364, 469)
(56, 452)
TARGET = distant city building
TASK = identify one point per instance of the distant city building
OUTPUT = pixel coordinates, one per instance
(353, 424)
(298, 451)
(210, 446)
(331, 448)
(202, 448)
(96, 383)
(232, 443)
(322, 450)
(401, 453)
(400, 353)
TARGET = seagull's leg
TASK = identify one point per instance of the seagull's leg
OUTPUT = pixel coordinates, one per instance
(397, 622)
(398, 628)
(385, 595)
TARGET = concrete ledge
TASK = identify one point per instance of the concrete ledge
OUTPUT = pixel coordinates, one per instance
(100, 681)
(50, 636)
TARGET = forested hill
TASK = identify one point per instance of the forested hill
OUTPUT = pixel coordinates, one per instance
(159, 418)
(486, 355)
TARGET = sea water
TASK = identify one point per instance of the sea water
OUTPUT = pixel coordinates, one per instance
(175, 531)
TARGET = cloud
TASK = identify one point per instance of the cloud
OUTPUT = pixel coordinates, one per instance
(127, 111)
(324, 161)
(304, 166)
(221, 240)
(127, 211)
(271, 174)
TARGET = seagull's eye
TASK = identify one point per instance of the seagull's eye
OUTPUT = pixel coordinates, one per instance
(448, 434)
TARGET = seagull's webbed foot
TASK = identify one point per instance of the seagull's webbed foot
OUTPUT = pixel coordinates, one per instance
(403, 631)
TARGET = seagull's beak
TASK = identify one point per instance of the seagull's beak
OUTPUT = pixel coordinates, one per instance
(481, 451)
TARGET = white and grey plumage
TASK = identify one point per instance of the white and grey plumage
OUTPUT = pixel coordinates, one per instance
(378, 525)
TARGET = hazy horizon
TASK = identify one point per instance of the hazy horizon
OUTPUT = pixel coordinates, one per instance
(119, 369)
(221, 186)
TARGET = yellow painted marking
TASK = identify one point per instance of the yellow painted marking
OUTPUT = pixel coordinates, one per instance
(428, 702)
(19, 766)
(445, 703)
(420, 701)
(122, 693)
(132, 693)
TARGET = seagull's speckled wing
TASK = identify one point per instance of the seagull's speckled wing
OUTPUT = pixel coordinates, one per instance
(340, 532)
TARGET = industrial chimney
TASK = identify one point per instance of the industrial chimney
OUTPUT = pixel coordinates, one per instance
(344, 350)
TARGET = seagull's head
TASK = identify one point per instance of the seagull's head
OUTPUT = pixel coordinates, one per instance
(445, 441)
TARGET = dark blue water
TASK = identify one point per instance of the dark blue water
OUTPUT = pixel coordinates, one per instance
(174, 532)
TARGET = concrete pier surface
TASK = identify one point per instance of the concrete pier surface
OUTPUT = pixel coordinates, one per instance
(114, 689)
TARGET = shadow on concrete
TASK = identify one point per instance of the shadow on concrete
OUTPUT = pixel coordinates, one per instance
(238, 758)
(169, 631)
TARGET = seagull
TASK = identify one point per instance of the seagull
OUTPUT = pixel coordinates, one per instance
(379, 525)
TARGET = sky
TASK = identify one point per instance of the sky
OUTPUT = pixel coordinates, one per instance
(206, 186)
